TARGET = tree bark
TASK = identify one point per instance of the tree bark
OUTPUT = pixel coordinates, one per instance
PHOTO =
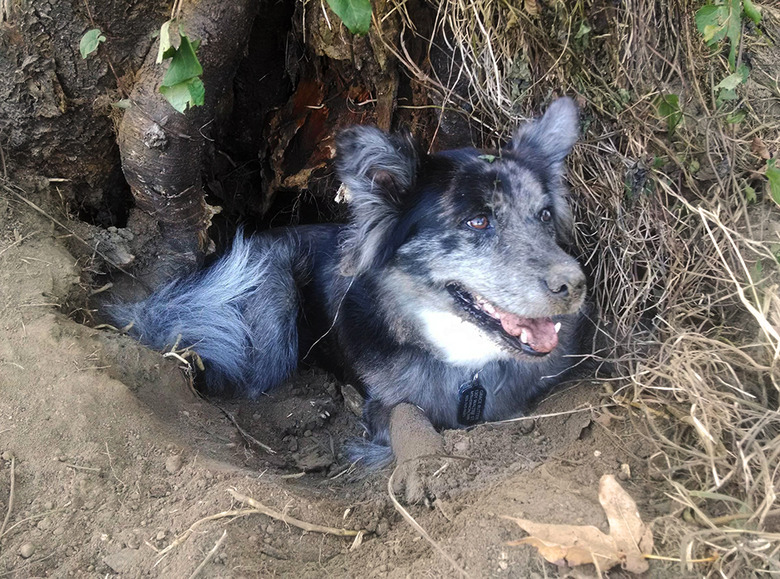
(163, 151)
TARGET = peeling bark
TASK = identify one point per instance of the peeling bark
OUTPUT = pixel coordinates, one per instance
(163, 152)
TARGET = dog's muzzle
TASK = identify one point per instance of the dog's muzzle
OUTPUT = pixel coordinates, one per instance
(532, 336)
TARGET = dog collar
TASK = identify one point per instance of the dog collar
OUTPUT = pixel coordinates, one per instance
(471, 401)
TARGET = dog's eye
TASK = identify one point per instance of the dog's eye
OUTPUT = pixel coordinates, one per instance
(545, 216)
(479, 222)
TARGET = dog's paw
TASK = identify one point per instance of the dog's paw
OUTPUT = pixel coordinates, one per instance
(419, 452)
(418, 480)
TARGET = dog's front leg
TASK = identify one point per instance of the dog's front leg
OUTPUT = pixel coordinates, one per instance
(418, 450)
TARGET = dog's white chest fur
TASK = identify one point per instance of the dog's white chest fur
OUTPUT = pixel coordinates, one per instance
(459, 342)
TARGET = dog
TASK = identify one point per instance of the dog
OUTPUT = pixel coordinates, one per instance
(449, 287)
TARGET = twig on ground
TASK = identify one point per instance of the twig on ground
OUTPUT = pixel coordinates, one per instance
(209, 555)
(417, 527)
(245, 435)
(183, 536)
(259, 507)
(10, 497)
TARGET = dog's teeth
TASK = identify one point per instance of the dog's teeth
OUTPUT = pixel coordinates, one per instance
(524, 337)
(488, 308)
(557, 327)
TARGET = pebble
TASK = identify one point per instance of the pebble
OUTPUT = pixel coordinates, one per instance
(462, 446)
(527, 426)
(625, 472)
(160, 535)
(8, 455)
(27, 550)
(173, 463)
(44, 524)
(352, 399)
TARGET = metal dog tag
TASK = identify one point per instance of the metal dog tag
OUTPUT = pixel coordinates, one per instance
(471, 402)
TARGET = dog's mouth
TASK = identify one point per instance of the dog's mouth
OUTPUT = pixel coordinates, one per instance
(532, 336)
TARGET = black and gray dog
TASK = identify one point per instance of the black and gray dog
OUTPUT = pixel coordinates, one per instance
(448, 288)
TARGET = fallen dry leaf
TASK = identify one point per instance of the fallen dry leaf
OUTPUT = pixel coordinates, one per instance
(759, 148)
(570, 545)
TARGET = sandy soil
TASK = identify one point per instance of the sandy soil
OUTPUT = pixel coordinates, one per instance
(114, 458)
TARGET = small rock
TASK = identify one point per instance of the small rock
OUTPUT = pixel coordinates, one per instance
(125, 561)
(597, 453)
(44, 524)
(526, 426)
(462, 445)
(160, 535)
(27, 550)
(173, 463)
(8, 455)
(625, 472)
(352, 399)
(307, 433)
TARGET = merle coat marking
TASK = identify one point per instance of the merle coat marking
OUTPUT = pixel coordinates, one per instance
(450, 265)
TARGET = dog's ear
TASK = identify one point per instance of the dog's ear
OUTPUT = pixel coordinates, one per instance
(551, 137)
(544, 143)
(379, 171)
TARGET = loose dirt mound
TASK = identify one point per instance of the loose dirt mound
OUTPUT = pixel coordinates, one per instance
(113, 459)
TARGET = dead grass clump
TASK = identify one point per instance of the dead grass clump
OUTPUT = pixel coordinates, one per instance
(684, 261)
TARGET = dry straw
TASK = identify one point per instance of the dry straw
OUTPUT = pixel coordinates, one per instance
(684, 267)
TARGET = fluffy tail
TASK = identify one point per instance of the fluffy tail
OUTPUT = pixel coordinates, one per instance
(239, 315)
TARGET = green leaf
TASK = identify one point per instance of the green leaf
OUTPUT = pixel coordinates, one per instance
(165, 42)
(709, 21)
(752, 11)
(733, 80)
(122, 104)
(668, 107)
(488, 158)
(736, 117)
(584, 30)
(726, 94)
(773, 174)
(733, 28)
(356, 14)
(757, 272)
(750, 194)
(184, 64)
(184, 94)
(197, 92)
(90, 42)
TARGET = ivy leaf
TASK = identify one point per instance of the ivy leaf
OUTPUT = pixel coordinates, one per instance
(90, 42)
(733, 28)
(184, 94)
(165, 42)
(709, 21)
(733, 80)
(736, 117)
(773, 174)
(355, 14)
(184, 64)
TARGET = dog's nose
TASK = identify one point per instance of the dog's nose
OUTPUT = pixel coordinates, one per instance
(564, 282)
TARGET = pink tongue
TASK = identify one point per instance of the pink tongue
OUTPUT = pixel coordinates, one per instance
(540, 332)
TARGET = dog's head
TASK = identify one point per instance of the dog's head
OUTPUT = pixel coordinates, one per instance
(467, 235)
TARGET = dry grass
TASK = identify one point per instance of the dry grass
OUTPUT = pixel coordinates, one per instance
(666, 232)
